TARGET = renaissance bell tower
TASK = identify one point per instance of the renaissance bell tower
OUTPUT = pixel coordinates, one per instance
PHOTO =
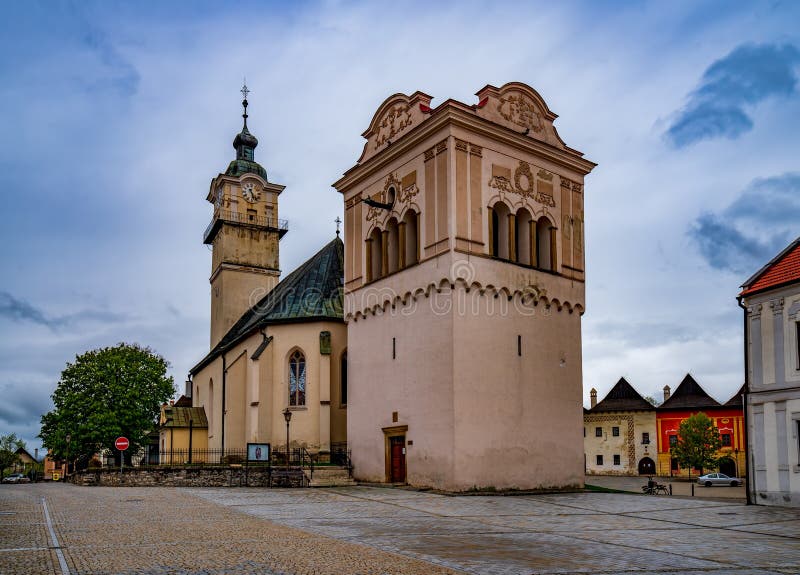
(244, 234)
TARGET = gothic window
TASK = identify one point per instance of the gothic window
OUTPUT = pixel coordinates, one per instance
(343, 381)
(297, 378)
(210, 407)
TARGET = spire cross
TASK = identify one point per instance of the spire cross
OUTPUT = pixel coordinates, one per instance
(244, 92)
(338, 221)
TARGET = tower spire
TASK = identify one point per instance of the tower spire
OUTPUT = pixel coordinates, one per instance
(245, 91)
(245, 142)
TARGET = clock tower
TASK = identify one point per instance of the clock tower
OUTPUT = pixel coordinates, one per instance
(244, 234)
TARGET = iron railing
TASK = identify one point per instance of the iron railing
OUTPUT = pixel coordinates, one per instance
(220, 216)
(340, 455)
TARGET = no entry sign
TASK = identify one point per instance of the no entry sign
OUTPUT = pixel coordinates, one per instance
(122, 443)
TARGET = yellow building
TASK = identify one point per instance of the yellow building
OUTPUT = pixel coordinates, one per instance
(183, 433)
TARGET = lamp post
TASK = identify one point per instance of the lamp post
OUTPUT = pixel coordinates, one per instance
(287, 415)
(69, 440)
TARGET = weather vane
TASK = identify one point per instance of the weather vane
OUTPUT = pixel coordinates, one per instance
(338, 221)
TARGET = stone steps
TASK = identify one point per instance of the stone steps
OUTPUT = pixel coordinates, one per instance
(333, 476)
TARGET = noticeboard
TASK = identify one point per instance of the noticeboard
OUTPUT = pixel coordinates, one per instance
(258, 452)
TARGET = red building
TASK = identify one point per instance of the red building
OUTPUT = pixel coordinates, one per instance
(689, 398)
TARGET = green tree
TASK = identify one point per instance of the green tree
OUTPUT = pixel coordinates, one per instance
(106, 393)
(698, 443)
(8, 451)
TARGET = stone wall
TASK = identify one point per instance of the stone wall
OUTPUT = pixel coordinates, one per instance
(175, 477)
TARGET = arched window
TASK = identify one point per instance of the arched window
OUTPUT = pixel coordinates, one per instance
(297, 378)
(210, 406)
(411, 233)
(343, 381)
(543, 244)
(524, 246)
(375, 255)
(393, 246)
(501, 233)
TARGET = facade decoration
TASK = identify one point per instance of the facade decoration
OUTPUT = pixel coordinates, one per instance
(519, 110)
(525, 185)
(393, 123)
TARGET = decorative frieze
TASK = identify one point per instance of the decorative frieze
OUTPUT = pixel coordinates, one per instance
(461, 146)
(519, 110)
(441, 147)
(475, 150)
(394, 122)
(525, 185)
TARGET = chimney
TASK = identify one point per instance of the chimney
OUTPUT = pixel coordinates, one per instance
(593, 396)
(666, 392)
(188, 390)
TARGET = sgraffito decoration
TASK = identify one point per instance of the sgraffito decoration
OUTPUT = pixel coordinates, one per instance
(521, 111)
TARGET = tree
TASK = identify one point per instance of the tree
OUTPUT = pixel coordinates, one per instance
(698, 443)
(8, 451)
(652, 400)
(106, 393)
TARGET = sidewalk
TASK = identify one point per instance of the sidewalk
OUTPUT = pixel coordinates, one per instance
(680, 487)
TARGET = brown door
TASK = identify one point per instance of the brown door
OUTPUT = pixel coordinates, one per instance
(397, 446)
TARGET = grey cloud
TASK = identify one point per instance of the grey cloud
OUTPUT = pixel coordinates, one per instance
(21, 407)
(748, 75)
(756, 225)
(643, 334)
(20, 310)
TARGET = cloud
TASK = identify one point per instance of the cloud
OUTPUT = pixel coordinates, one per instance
(748, 75)
(753, 228)
(20, 310)
(119, 74)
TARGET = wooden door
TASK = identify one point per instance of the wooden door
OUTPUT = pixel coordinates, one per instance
(397, 446)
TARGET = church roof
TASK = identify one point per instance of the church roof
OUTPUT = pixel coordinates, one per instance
(239, 166)
(180, 416)
(312, 292)
(736, 400)
(689, 395)
(623, 397)
(781, 270)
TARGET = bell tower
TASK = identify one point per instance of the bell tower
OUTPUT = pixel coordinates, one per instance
(244, 234)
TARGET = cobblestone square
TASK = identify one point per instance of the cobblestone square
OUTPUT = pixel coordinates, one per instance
(370, 530)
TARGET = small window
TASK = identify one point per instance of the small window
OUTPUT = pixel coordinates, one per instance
(584, 432)
(598, 432)
(673, 440)
(615, 431)
(251, 215)
(343, 382)
(616, 459)
(726, 440)
(599, 460)
(645, 438)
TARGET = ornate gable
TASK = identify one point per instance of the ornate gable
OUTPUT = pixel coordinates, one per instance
(519, 107)
(396, 116)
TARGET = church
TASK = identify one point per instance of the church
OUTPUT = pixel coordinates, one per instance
(442, 339)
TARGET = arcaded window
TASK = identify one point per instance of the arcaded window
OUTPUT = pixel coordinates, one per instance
(393, 246)
(297, 378)
(501, 226)
(411, 233)
(543, 238)
(524, 235)
(375, 255)
(343, 381)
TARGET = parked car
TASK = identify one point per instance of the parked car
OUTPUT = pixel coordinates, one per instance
(16, 478)
(718, 479)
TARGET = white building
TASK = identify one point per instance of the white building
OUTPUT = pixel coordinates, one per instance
(771, 303)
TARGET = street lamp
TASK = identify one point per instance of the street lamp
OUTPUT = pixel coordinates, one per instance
(287, 415)
(69, 439)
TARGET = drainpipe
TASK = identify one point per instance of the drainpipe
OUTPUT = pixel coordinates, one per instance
(747, 452)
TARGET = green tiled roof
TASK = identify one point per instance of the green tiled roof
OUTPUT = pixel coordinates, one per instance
(180, 416)
(239, 167)
(312, 292)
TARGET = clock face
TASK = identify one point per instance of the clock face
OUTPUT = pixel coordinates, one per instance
(249, 192)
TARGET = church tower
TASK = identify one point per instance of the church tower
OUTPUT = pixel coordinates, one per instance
(464, 290)
(244, 234)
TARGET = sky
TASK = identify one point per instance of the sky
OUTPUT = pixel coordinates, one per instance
(116, 116)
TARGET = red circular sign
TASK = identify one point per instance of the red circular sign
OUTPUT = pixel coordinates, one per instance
(122, 443)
